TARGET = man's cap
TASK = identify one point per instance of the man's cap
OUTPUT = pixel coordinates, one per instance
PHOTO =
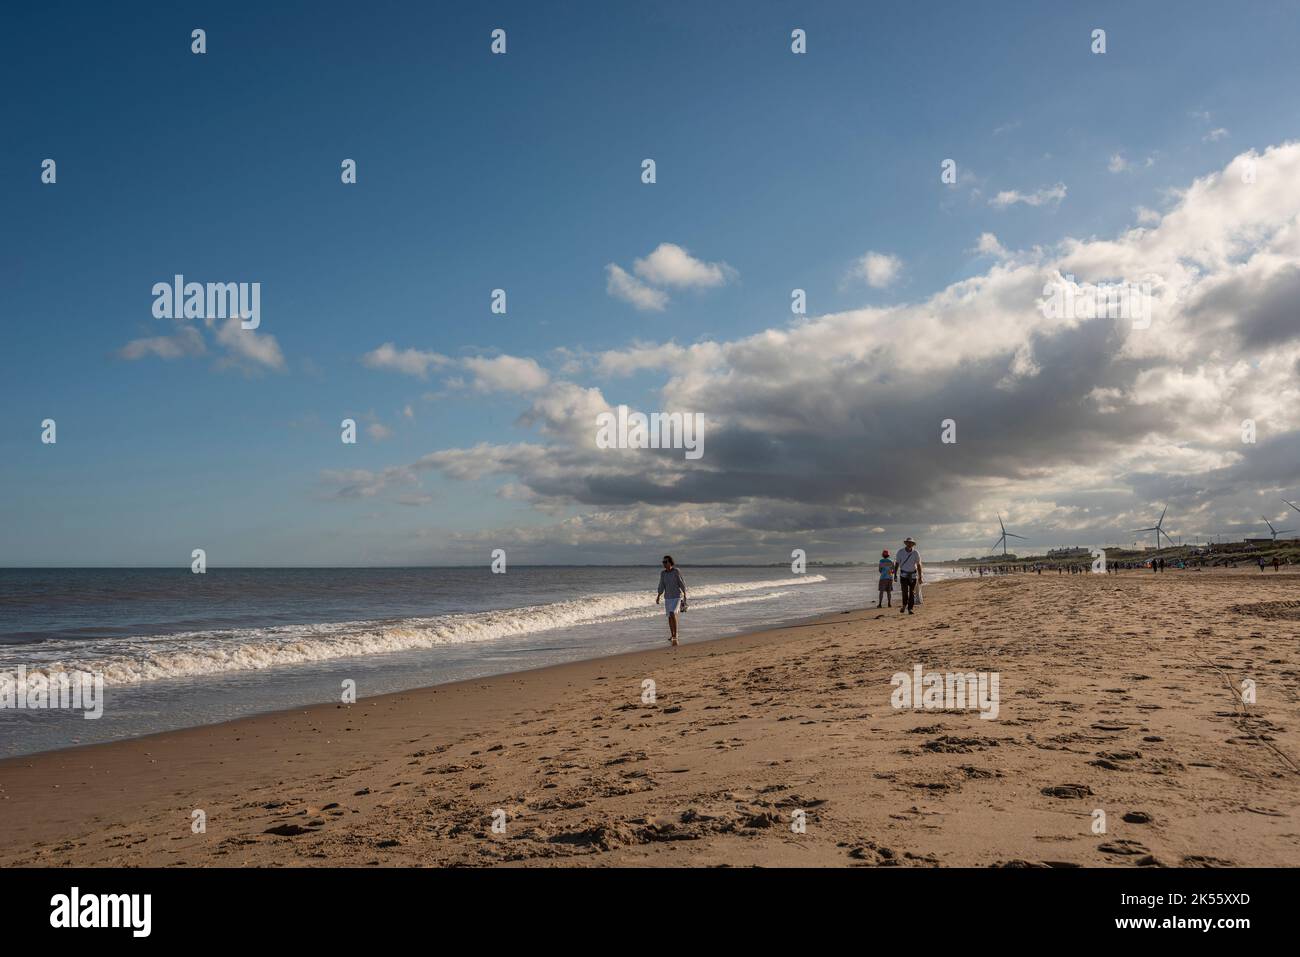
(909, 541)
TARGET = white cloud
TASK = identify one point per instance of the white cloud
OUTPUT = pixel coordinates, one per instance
(624, 362)
(501, 373)
(668, 265)
(247, 347)
(363, 483)
(620, 284)
(244, 349)
(409, 361)
(1215, 135)
(671, 265)
(1119, 163)
(187, 342)
(378, 431)
(506, 374)
(988, 245)
(1042, 197)
(1111, 415)
(877, 269)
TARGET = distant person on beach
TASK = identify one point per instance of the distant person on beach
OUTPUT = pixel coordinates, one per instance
(1275, 563)
(672, 589)
(886, 593)
(907, 570)
(1261, 562)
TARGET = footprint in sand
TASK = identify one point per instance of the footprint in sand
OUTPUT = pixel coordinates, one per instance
(1123, 847)
(1067, 791)
(953, 744)
(289, 830)
(873, 853)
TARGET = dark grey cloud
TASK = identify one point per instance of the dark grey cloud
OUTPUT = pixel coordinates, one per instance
(1076, 429)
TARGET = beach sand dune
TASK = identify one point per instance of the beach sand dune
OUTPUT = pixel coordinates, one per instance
(1125, 695)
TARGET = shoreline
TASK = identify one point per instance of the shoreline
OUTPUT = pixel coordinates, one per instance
(269, 674)
(792, 623)
(585, 772)
(171, 743)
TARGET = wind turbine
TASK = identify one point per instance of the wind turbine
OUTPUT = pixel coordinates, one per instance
(1277, 531)
(1005, 535)
(1158, 529)
(1293, 505)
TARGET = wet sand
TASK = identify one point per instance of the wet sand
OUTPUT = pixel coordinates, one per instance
(1118, 694)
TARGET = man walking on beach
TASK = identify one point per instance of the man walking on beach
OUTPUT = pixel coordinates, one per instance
(907, 570)
(672, 589)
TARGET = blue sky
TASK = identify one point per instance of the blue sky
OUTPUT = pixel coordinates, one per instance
(523, 172)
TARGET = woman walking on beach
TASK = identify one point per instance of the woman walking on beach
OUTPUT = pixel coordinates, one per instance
(672, 589)
(886, 586)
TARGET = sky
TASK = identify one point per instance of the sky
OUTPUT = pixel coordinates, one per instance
(1171, 159)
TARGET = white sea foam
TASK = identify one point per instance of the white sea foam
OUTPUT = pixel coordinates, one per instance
(193, 654)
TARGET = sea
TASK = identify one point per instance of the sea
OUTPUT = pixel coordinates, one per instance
(177, 649)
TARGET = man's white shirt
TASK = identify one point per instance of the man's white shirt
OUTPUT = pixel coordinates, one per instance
(907, 561)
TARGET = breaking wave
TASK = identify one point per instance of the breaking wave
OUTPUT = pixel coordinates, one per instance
(193, 654)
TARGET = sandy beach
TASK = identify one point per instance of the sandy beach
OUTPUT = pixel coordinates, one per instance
(1118, 694)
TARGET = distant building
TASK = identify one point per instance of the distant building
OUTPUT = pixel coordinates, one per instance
(1075, 552)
